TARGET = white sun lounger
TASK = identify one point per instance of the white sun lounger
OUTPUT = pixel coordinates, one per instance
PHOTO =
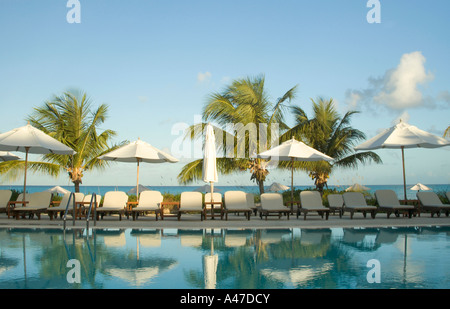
(114, 202)
(149, 201)
(191, 202)
(5, 197)
(355, 202)
(431, 202)
(217, 203)
(272, 204)
(312, 201)
(60, 207)
(38, 202)
(387, 201)
(236, 201)
(336, 203)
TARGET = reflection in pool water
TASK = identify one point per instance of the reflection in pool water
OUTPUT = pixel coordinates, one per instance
(225, 259)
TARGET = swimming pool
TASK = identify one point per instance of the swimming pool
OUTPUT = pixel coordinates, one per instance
(352, 258)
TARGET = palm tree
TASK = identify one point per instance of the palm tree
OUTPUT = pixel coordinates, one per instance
(244, 115)
(69, 119)
(331, 134)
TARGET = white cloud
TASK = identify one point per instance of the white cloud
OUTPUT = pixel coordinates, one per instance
(204, 77)
(399, 88)
(401, 85)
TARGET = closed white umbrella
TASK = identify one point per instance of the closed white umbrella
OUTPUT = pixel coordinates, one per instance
(136, 152)
(28, 139)
(293, 150)
(209, 170)
(402, 136)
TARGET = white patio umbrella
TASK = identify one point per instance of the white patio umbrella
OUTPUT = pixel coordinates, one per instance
(419, 186)
(209, 170)
(7, 156)
(275, 187)
(139, 188)
(136, 152)
(357, 187)
(402, 136)
(58, 190)
(28, 139)
(293, 150)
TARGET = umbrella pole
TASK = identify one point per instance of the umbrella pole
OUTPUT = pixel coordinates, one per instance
(137, 184)
(404, 177)
(25, 175)
(292, 180)
(212, 199)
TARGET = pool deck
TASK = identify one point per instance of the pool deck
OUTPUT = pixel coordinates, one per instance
(193, 221)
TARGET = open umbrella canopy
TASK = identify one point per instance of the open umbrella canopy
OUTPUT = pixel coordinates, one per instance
(419, 187)
(275, 187)
(7, 156)
(293, 150)
(136, 152)
(31, 140)
(357, 187)
(28, 139)
(401, 136)
(58, 190)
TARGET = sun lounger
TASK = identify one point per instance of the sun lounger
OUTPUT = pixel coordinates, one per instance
(387, 201)
(355, 202)
(251, 202)
(430, 201)
(83, 206)
(149, 201)
(236, 202)
(38, 202)
(312, 201)
(217, 205)
(272, 204)
(189, 202)
(336, 203)
(5, 196)
(59, 207)
(114, 202)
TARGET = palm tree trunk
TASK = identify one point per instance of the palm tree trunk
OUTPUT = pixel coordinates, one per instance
(77, 186)
(261, 186)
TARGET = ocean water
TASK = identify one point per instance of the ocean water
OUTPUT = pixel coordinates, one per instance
(101, 190)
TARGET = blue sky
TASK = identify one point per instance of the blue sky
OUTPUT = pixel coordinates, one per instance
(155, 62)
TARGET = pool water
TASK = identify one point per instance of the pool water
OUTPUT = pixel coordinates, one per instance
(348, 258)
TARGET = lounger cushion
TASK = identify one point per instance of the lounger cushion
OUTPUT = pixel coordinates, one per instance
(311, 200)
(191, 201)
(431, 199)
(236, 200)
(5, 196)
(37, 201)
(388, 199)
(335, 200)
(356, 200)
(149, 200)
(272, 202)
(114, 201)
